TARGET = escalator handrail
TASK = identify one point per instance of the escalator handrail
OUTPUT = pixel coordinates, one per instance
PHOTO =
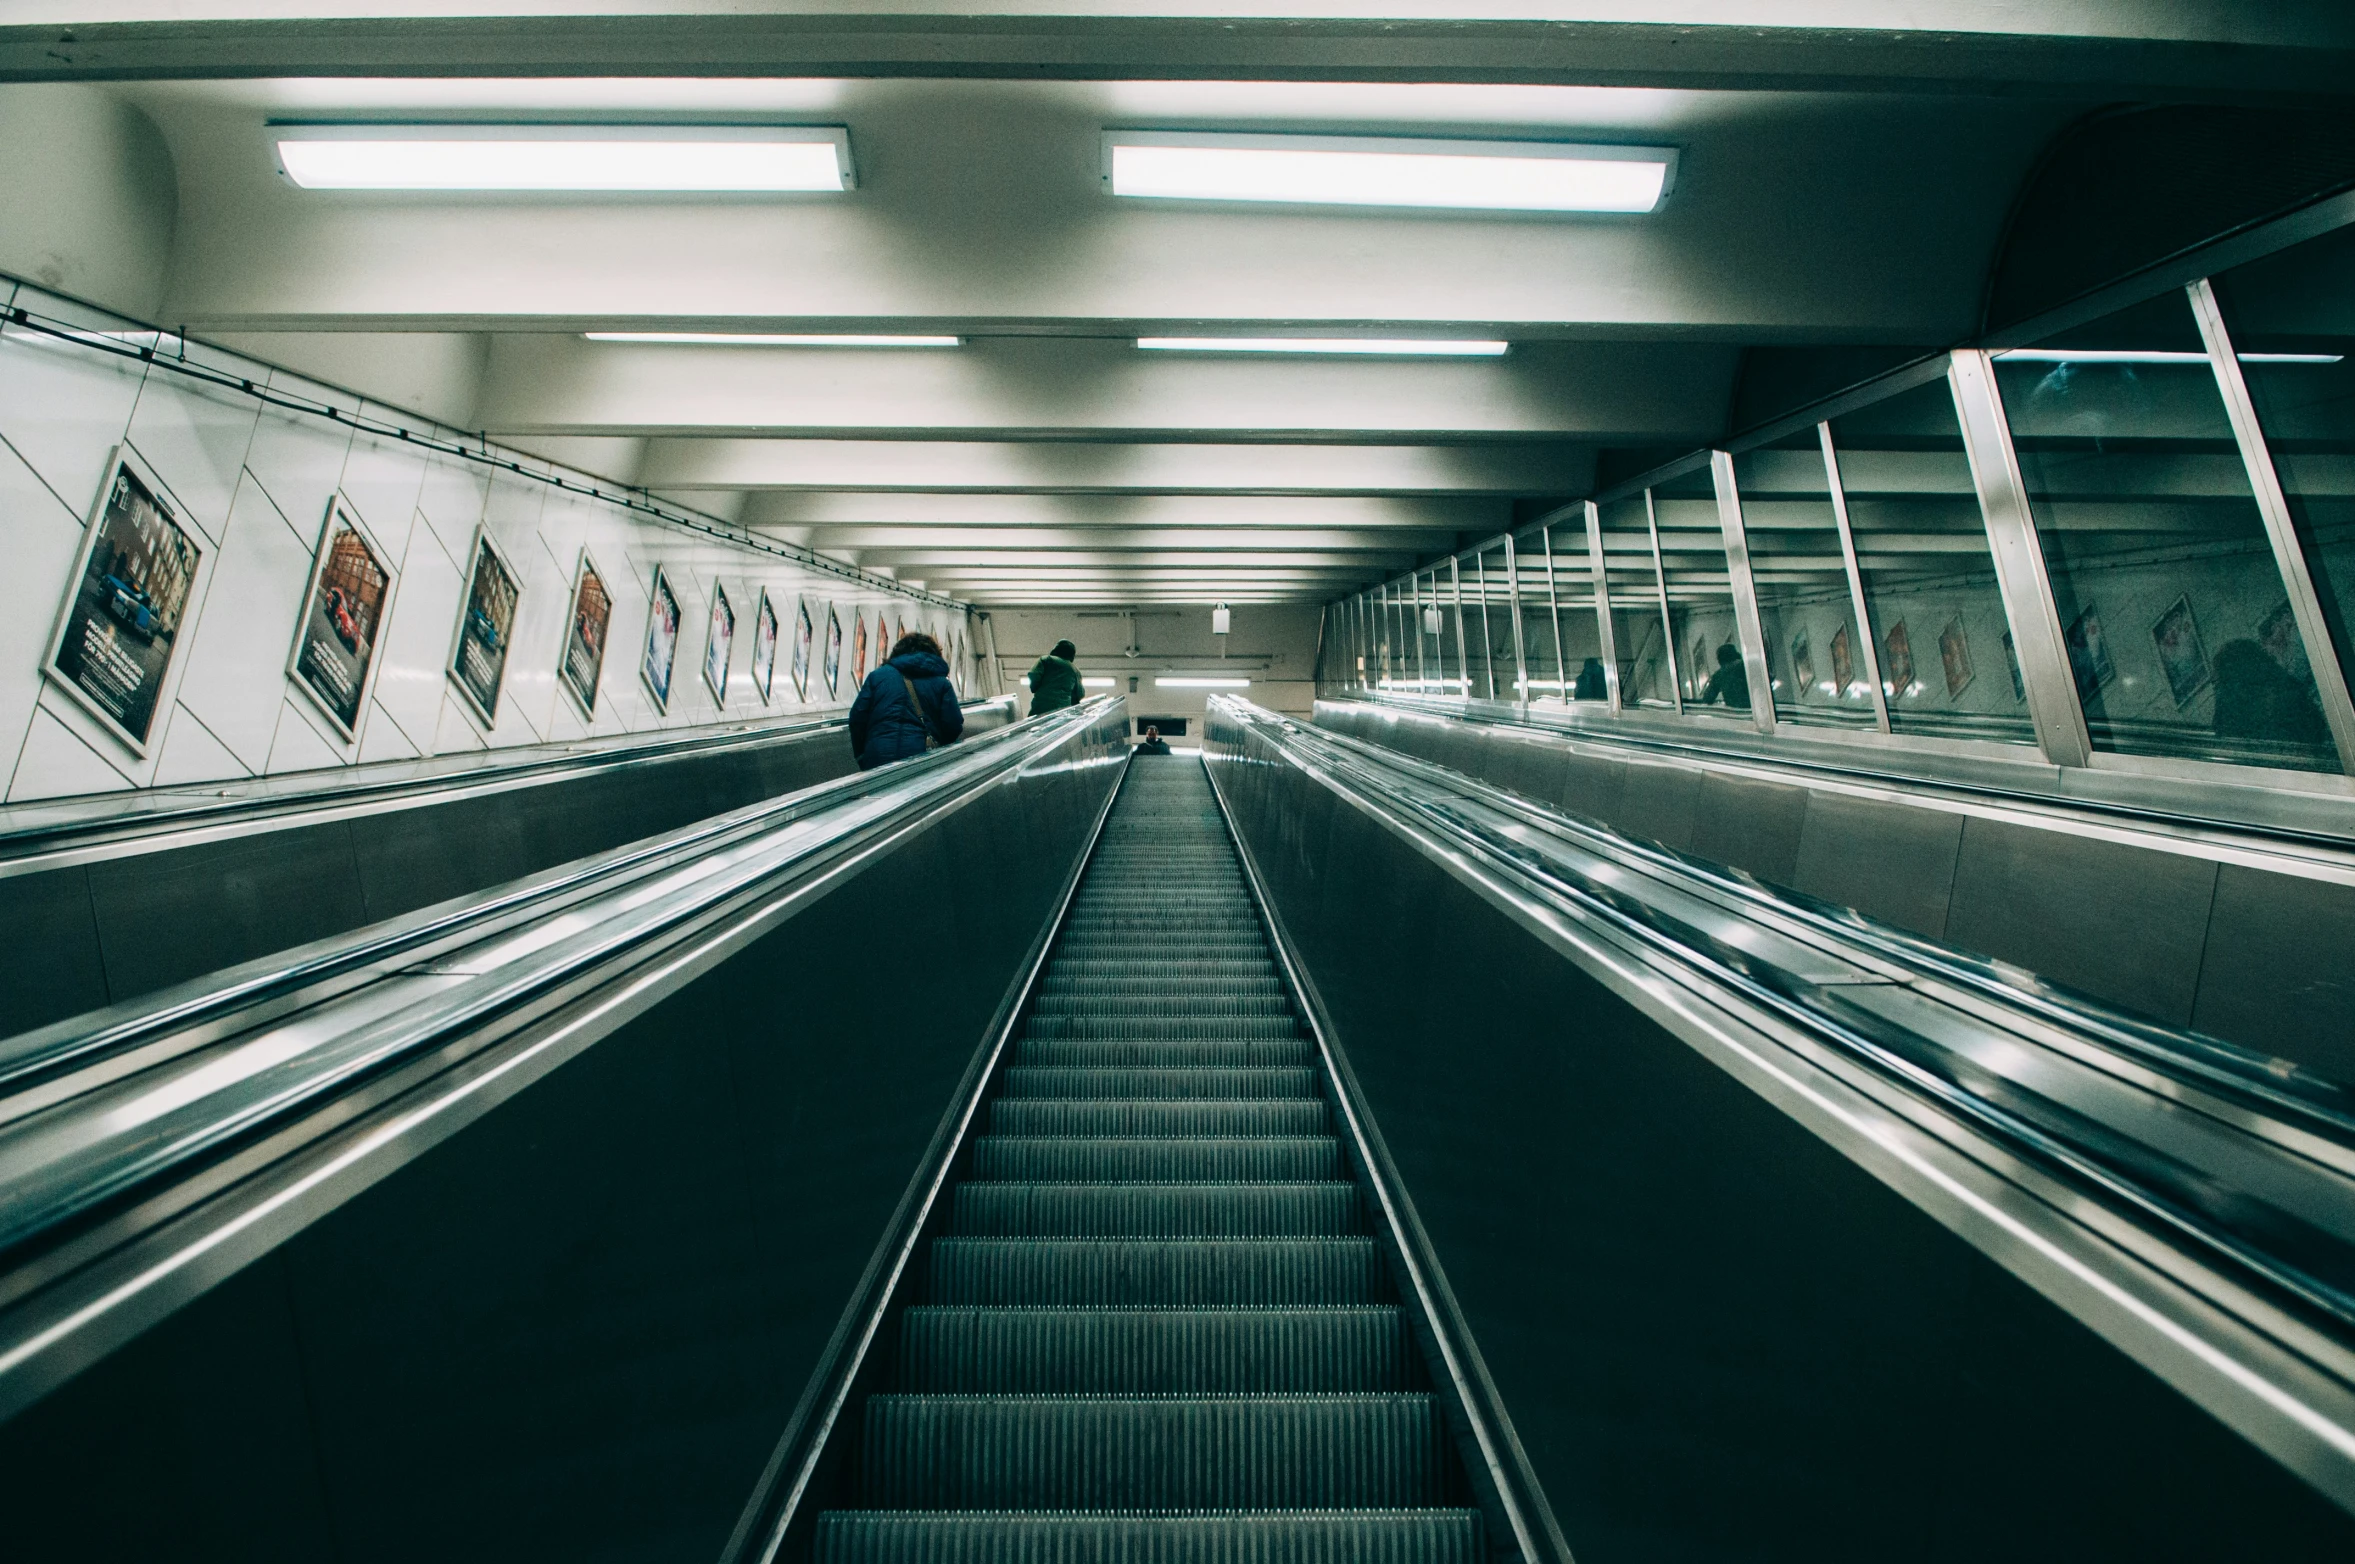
(87, 1148)
(79, 829)
(2091, 1157)
(74, 1041)
(1859, 764)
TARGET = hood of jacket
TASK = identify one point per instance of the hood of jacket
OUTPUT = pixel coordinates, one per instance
(921, 665)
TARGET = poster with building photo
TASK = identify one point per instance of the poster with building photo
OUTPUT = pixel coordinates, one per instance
(119, 631)
(833, 669)
(343, 614)
(478, 664)
(719, 642)
(764, 646)
(2182, 657)
(804, 634)
(662, 641)
(585, 635)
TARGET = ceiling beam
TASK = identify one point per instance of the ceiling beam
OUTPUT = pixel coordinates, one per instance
(1966, 46)
(806, 516)
(1093, 387)
(1110, 467)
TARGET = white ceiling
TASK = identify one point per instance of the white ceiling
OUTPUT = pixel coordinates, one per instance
(1048, 460)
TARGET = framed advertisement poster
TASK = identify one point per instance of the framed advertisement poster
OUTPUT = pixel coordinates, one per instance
(334, 655)
(764, 646)
(585, 636)
(803, 633)
(1954, 654)
(858, 651)
(1897, 659)
(899, 629)
(478, 663)
(719, 642)
(662, 641)
(833, 654)
(120, 629)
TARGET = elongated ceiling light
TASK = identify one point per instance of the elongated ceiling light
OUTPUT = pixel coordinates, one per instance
(1498, 176)
(1189, 681)
(1377, 347)
(762, 339)
(716, 159)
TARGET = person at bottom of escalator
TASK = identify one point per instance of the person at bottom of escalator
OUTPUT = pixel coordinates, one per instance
(1731, 682)
(1592, 684)
(1152, 744)
(1054, 680)
(907, 706)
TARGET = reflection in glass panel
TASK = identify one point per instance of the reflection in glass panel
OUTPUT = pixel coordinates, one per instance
(1647, 668)
(1488, 628)
(1700, 596)
(2159, 561)
(1441, 631)
(1944, 646)
(1538, 646)
(2292, 318)
(1804, 605)
(1574, 614)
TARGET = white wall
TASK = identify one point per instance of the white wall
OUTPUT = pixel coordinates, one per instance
(255, 482)
(89, 202)
(1272, 645)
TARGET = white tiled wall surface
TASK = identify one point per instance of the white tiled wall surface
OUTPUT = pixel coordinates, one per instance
(256, 482)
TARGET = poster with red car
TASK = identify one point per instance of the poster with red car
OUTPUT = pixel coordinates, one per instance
(342, 620)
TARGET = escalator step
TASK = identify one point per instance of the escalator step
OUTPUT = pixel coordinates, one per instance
(1152, 1005)
(1134, 1116)
(1045, 1081)
(968, 1351)
(1321, 1210)
(1173, 1273)
(1181, 1029)
(1067, 1158)
(1077, 1053)
(1379, 1451)
(1287, 1537)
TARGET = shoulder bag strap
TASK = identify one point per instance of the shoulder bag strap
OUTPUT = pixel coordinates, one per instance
(923, 717)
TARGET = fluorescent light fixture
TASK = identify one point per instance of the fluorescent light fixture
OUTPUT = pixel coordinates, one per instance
(1099, 684)
(707, 158)
(764, 339)
(1497, 176)
(1378, 347)
(1191, 681)
(2137, 356)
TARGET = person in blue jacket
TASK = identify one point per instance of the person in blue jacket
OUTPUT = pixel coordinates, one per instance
(906, 707)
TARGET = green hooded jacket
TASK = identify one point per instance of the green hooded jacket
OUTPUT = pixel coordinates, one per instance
(1054, 684)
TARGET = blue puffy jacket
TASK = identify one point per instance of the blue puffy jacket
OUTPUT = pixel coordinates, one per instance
(884, 726)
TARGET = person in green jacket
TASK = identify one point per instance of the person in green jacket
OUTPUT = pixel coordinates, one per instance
(1054, 680)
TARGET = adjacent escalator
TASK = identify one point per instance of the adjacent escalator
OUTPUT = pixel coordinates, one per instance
(1158, 1325)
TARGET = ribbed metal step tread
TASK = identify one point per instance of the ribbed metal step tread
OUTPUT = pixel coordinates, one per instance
(1157, 1116)
(1204, 1210)
(1024, 1080)
(1036, 1351)
(1099, 1054)
(1264, 1537)
(1186, 1028)
(1074, 1158)
(1156, 1271)
(1379, 1451)
(1206, 1004)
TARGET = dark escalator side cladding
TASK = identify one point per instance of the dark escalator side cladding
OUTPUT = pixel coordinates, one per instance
(1158, 1327)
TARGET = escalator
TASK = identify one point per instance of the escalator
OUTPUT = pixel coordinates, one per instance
(1158, 1326)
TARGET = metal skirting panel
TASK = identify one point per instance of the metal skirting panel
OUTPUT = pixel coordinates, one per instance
(2243, 953)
